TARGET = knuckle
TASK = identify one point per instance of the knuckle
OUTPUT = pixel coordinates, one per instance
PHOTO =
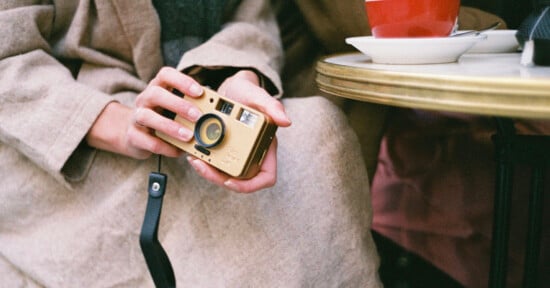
(132, 137)
(147, 96)
(140, 115)
(156, 147)
(154, 90)
(154, 93)
(164, 72)
(140, 99)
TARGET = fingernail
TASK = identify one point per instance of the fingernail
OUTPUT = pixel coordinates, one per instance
(288, 120)
(195, 89)
(185, 134)
(230, 185)
(285, 117)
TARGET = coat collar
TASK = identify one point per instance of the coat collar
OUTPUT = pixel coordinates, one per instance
(142, 29)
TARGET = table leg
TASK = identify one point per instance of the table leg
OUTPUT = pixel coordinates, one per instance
(502, 200)
(512, 149)
(532, 247)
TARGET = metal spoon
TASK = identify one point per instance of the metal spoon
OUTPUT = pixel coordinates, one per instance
(476, 32)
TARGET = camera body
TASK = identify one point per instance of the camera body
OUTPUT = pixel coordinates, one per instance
(230, 136)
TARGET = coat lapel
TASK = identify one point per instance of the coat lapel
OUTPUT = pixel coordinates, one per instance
(141, 27)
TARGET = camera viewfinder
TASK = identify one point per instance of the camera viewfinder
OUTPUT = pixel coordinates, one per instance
(225, 107)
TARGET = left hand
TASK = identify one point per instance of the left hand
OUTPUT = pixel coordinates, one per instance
(244, 88)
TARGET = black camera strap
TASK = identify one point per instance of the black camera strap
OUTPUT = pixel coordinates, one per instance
(156, 258)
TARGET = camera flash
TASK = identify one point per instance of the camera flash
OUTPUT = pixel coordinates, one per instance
(248, 118)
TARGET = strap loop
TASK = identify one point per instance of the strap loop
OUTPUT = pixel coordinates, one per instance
(156, 258)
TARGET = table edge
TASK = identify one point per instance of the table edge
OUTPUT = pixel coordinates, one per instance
(495, 96)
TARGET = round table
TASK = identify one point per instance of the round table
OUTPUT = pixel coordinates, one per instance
(484, 84)
(495, 85)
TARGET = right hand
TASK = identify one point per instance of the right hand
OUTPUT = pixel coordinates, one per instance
(130, 131)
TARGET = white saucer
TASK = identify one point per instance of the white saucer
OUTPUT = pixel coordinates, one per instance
(414, 50)
(498, 41)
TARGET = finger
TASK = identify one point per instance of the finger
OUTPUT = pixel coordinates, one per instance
(207, 172)
(247, 93)
(267, 177)
(152, 120)
(155, 96)
(169, 78)
(143, 144)
(264, 179)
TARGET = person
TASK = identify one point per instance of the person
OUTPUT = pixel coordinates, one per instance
(437, 173)
(432, 174)
(83, 86)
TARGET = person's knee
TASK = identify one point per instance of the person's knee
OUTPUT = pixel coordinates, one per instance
(315, 118)
(320, 133)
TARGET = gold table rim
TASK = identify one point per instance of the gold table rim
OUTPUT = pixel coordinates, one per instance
(490, 96)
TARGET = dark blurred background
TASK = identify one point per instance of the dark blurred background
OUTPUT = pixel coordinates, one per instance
(512, 11)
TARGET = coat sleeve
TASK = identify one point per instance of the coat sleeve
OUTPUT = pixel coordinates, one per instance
(250, 40)
(44, 112)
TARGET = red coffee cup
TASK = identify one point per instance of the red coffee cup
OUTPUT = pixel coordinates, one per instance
(411, 18)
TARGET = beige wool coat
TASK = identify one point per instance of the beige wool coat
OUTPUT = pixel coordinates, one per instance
(70, 215)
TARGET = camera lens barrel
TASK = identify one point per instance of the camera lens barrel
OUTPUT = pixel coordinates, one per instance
(209, 130)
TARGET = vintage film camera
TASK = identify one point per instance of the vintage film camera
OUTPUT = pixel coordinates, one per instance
(229, 136)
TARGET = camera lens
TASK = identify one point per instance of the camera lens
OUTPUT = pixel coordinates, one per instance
(209, 130)
(213, 131)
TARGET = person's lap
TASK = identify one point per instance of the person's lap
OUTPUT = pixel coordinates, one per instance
(311, 229)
